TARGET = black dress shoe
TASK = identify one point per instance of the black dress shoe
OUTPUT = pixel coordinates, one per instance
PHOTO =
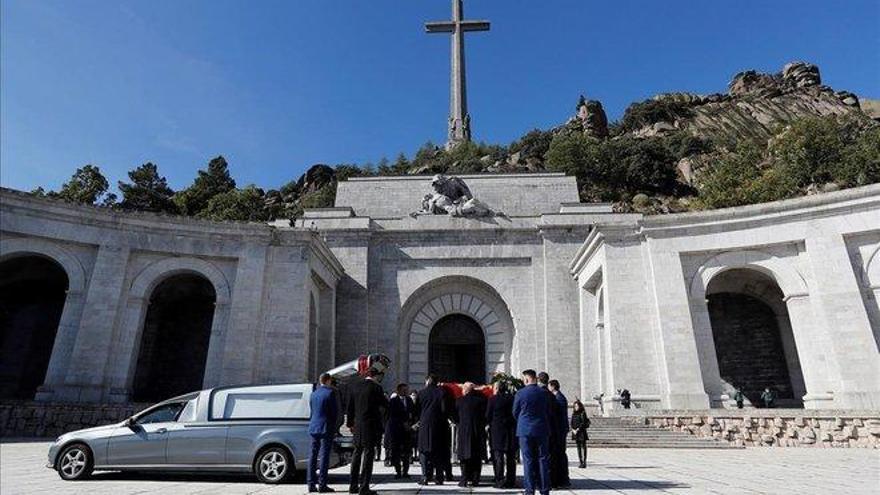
(462, 483)
(326, 489)
(424, 481)
(354, 490)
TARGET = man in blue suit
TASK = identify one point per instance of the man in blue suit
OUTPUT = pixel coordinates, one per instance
(322, 427)
(531, 408)
(561, 478)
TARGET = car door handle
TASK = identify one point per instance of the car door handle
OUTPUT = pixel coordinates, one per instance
(162, 430)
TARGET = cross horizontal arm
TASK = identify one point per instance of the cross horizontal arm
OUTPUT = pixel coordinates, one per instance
(474, 25)
(440, 27)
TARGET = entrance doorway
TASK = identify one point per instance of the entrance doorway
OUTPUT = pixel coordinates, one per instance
(457, 350)
(754, 342)
(174, 344)
(32, 294)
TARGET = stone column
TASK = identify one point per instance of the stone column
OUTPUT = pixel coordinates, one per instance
(86, 379)
(239, 353)
(820, 370)
(561, 342)
(840, 300)
(327, 329)
(284, 343)
(352, 302)
(214, 360)
(678, 359)
(702, 324)
(126, 348)
(628, 322)
(65, 339)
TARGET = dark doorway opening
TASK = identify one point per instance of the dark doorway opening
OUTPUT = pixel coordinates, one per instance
(753, 339)
(457, 350)
(32, 294)
(176, 334)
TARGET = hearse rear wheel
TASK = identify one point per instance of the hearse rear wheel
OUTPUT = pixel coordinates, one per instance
(274, 465)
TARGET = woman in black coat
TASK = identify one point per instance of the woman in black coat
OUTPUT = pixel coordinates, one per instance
(502, 436)
(579, 424)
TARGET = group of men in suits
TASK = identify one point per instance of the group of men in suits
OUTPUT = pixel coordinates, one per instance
(534, 421)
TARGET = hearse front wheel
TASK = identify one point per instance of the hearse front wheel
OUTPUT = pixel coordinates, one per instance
(274, 465)
(75, 462)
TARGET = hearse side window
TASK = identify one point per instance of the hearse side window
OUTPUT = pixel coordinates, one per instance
(261, 402)
(162, 414)
(188, 415)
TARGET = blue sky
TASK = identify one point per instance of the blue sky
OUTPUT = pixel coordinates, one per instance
(276, 86)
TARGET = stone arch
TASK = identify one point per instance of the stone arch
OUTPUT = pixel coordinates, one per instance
(68, 325)
(789, 279)
(752, 336)
(127, 345)
(76, 274)
(153, 274)
(454, 295)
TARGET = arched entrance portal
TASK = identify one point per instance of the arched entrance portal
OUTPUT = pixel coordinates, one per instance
(753, 339)
(424, 328)
(32, 294)
(457, 350)
(174, 343)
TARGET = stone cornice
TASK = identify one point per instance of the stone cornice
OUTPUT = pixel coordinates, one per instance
(14, 202)
(863, 198)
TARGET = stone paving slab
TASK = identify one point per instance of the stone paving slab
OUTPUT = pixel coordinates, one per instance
(610, 471)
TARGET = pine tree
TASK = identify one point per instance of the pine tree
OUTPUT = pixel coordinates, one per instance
(148, 191)
(85, 186)
(209, 183)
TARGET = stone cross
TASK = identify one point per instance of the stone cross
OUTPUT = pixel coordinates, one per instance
(459, 120)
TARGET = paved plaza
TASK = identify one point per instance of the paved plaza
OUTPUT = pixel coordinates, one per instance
(642, 471)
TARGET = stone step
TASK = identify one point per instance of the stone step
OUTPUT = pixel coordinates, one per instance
(617, 433)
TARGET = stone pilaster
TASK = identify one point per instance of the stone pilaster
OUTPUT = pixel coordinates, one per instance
(840, 301)
(91, 357)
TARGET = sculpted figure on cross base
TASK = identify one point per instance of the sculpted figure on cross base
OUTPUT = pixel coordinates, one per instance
(451, 196)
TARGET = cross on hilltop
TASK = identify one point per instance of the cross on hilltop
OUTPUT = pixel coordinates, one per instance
(459, 119)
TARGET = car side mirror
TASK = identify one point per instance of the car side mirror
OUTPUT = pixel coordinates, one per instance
(129, 422)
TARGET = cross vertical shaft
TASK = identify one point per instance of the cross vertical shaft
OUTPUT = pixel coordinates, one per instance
(459, 119)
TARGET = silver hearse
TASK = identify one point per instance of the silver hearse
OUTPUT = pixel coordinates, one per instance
(258, 429)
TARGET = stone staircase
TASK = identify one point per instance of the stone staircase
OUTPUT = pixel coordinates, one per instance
(614, 432)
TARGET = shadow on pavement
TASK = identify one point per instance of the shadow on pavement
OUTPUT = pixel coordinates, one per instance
(593, 483)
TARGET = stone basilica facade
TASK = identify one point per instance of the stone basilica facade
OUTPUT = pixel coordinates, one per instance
(103, 306)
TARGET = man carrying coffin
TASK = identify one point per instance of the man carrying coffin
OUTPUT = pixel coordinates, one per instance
(366, 407)
(398, 431)
(434, 445)
(471, 417)
(502, 436)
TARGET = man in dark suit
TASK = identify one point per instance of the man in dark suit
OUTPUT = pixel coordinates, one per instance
(471, 420)
(434, 445)
(544, 383)
(531, 408)
(560, 441)
(398, 431)
(322, 427)
(366, 406)
(502, 436)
